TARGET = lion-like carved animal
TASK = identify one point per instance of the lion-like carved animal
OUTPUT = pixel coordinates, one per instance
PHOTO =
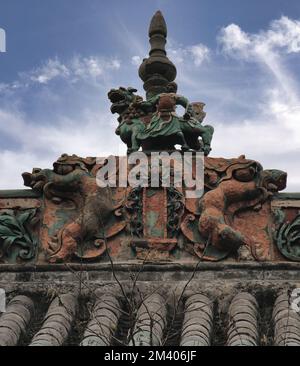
(72, 180)
(124, 102)
(193, 129)
(244, 184)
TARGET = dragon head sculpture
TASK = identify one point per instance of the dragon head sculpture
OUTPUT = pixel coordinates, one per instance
(122, 98)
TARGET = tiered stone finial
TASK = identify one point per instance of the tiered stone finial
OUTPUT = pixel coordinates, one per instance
(157, 71)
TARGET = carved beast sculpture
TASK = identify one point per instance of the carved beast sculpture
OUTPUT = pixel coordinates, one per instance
(71, 180)
(244, 185)
(124, 103)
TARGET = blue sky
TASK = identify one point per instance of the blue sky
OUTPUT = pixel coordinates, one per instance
(240, 57)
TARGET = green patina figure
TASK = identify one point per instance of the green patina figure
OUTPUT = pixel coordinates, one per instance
(192, 128)
(153, 124)
(17, 240)
(165, 122)
(287, 236)
(124, 103)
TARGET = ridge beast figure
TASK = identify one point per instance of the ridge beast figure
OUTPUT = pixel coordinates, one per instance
(235, 185)
(72, 180)
(154, 124)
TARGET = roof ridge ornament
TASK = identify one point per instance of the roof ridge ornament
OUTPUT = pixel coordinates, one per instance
(157, 71)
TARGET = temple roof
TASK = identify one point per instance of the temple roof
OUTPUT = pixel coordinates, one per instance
(226, 305)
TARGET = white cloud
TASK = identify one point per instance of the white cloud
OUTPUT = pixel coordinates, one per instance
(136, 60)
(92, 134)
(274, 129)
(87, 134)
(268, 48)
(93, 67)
(284, 33)
(195, 54)
(200, 53)
(51, 70)
(234, 41)
(282, 36)
(13, 163)
(76, 69)
(37, 139)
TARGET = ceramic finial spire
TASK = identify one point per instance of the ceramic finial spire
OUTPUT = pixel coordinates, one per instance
(157, 71)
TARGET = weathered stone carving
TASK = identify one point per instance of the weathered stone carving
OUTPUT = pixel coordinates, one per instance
(167, 129)
(86, 216)
(154, 125)
(16, 237)
(288, 239)
(71, 182)
(175, 210)
(234, 187)
(125, 103)
(134, 209)
(244, 186)
(164, 128)
(192, 129)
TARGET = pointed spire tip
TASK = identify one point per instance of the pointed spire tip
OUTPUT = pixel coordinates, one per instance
(158, 24)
